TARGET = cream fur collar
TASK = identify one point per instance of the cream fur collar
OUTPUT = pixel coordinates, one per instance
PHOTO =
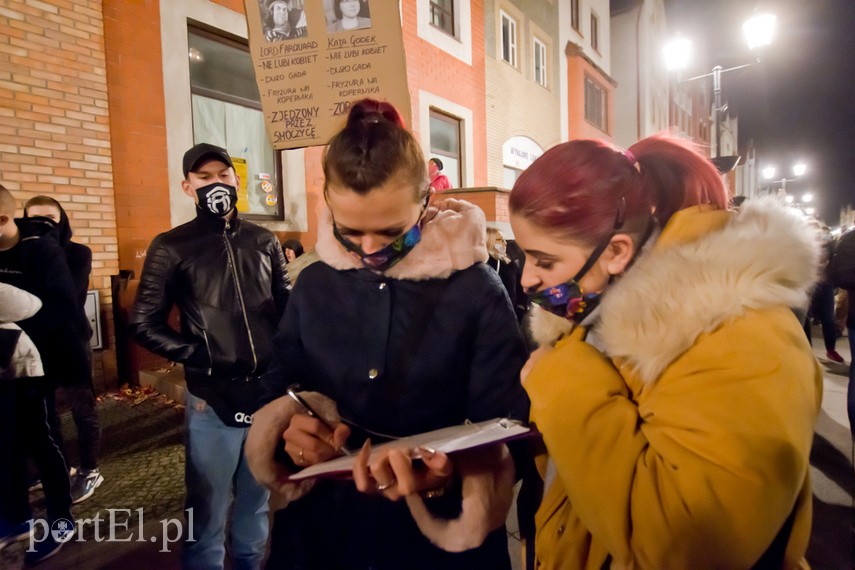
(765, 255)
(453, 238)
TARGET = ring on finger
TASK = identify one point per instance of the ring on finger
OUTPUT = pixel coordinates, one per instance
(300, 457)
(385, 486)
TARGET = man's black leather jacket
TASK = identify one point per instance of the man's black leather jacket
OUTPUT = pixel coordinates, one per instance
(228, 281)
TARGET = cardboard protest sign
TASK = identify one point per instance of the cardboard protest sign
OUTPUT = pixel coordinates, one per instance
(313, 58)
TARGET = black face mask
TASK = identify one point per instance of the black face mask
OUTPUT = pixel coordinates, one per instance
(217, 199)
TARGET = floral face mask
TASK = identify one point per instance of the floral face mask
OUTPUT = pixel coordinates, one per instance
(567, 299)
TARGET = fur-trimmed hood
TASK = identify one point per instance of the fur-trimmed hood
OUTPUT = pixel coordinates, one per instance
(707, 268)
(453, 239)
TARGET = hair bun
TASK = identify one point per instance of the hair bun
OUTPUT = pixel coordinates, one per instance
(368, 111)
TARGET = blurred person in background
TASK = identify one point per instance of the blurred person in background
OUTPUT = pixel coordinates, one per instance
(842, 272)
(45, 216)
(822, 297)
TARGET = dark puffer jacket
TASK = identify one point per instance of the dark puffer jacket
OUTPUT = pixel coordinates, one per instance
(228, 280)
(430, 343)
(842, 271)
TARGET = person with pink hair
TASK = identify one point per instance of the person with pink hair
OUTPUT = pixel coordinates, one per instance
(673, 386)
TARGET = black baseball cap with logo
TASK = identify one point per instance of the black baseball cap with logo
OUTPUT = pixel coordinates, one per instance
(204, 152)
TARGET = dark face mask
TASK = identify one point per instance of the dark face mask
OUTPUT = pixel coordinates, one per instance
(217, 199)
(385, 258)
(568, 299)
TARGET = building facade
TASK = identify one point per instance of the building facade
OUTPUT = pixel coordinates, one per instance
(523, 92)
(589, 84)
(642, 97)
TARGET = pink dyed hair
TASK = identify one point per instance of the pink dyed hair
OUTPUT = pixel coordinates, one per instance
(574, 189)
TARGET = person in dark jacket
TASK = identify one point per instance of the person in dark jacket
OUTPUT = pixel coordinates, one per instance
(45, 216)
(36, 265)
(822, 299)
(227, 278)
(406, 329)
(842, 273)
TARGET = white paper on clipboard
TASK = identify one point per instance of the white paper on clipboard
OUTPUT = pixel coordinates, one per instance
(446, 440)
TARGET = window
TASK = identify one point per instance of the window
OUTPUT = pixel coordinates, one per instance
(595, 104)
(445, 144)
(595, 32)
(509, 39)
(574, 14)
(442, 15)
(539, 62)
(227, 112)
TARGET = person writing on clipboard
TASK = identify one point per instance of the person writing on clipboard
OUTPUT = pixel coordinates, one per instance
(398, 331)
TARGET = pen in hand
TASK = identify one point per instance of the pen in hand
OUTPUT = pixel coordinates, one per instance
(313, 414)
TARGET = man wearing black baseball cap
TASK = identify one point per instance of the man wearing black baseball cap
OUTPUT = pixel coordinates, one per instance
(227, 278)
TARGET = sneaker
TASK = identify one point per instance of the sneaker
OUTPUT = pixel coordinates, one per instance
(14, 534)
(85, 484)
(835, 356)
(49, 546)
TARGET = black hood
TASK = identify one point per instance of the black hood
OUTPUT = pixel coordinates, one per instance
(41, 226)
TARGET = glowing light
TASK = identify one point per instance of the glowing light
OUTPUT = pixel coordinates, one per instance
(677, 54)
(759, 29)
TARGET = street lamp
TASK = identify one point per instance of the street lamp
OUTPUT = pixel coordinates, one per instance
(799, 169)
(758, 31)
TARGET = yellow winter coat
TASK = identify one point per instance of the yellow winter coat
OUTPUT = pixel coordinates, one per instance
(683, 440)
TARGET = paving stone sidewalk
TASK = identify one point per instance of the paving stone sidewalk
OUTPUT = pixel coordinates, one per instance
(142, 461)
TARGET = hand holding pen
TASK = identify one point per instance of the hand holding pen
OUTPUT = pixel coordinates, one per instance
(310, 438)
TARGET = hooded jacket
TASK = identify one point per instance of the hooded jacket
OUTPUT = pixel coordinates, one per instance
(38, 265)
(227, 278)
(680, 423)
(77, 255)
(430, 343)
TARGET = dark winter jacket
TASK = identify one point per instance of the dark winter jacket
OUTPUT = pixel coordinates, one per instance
(355, 336)
(77, 255)
(842, 271)
(227, 279)
(38, 265)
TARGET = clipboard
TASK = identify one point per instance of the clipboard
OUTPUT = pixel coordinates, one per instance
(446, 440)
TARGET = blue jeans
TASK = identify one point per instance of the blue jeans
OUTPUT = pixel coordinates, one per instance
(216, 473)
(850, 396)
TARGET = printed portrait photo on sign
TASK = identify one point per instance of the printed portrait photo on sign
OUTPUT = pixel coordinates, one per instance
(282, 19)
(347, 15)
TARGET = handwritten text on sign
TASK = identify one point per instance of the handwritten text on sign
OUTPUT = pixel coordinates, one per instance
(311, 62)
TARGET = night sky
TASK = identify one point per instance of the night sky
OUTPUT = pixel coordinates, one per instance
(799, 102)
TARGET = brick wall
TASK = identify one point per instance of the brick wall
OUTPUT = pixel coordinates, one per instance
(138, 132)
(54, 130)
